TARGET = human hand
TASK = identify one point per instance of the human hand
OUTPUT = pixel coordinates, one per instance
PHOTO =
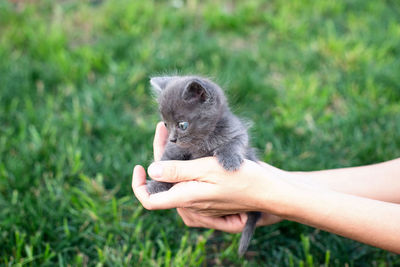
(192, 216)
(233, 223)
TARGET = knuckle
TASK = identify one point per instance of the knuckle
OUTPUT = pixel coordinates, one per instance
(189, 223)
(191, 204)
(172, 172)
(148, 206)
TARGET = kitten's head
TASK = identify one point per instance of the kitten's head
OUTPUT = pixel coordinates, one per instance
(190, 107)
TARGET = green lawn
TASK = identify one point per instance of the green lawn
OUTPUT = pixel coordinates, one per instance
(320, 80)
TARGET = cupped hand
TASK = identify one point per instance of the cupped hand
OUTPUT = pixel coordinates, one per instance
(204, 185)
(205, 194)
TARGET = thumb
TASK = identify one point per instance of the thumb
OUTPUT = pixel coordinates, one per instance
(174, 171)
(160, 140)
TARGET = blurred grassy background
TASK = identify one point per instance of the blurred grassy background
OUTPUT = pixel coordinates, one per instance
(320, 80)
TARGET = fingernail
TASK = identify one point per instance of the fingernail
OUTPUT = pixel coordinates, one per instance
(155, 170)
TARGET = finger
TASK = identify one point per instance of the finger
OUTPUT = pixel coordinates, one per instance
(175, 171)
(161, 200)
(180, 195)
(268, 219)
(139, 186)
(233, 223)
(160, 140)
(230, 223)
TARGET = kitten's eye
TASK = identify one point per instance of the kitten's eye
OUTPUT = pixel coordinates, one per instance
(183, 125)
(165, 124)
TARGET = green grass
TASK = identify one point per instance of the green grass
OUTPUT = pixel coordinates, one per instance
(319, 80)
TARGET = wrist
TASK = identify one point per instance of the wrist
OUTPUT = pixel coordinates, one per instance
(285, 191)
(276, 186)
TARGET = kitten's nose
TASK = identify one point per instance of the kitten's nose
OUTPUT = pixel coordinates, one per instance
(173, 140)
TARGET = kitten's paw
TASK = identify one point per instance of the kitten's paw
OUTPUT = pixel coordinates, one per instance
(231, 162)
(154, 187)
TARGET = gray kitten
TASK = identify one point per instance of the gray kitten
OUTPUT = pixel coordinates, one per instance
(200, 124)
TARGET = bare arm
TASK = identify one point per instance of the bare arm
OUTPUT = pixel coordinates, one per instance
(356, 203)
(370, 221)
(378, 181)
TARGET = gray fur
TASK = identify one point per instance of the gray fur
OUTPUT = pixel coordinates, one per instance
(213, 130)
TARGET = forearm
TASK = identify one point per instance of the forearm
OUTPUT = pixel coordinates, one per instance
(369, 221)
(378, 181)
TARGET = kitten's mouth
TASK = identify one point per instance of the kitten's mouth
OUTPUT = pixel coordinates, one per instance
(190, 144)
(183, 145)
(189, 141)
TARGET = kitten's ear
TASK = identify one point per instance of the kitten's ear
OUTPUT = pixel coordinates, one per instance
(195, 90)
(159, 83)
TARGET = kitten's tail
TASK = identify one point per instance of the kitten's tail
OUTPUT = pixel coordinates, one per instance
(248, 231)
